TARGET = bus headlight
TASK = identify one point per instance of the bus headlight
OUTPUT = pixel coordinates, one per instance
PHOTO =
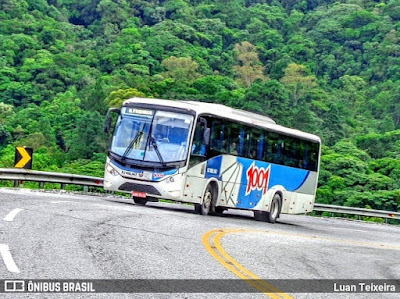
(111, 170)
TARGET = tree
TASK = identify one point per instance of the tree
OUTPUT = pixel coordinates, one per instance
(180, 68)
(270, 98)
(117, 97)
(249, 67)
(298, 81)
(14, 8)
(87, 137)
(113, 11)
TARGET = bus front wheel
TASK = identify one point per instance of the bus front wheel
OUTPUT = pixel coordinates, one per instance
(219, 210)
(205, 206)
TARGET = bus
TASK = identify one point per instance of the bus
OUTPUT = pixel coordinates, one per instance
(212, 156)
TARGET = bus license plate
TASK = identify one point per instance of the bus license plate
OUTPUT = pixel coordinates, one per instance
(139, 194)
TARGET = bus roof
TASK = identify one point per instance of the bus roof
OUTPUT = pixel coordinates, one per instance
(227, 113)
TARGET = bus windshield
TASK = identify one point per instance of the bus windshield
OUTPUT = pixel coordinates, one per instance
(152, 135)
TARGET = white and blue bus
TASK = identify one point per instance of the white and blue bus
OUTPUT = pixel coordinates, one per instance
(213, 156)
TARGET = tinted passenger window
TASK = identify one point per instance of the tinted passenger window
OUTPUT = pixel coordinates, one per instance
(314, 152)
(235, 140)
(256, 144)
(219, 136)
(273, 150)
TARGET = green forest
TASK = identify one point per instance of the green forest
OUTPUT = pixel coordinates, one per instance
(331, 68)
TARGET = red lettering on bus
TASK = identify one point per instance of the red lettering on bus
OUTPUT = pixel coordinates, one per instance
(257, 178)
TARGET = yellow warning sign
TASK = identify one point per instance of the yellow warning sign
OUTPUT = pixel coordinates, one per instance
(23, 157)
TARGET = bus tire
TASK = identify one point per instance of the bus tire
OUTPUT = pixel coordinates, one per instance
(261, 216)
(219, 210)
(140, 201)
(274, 212)
(275, 209)
(205, 207)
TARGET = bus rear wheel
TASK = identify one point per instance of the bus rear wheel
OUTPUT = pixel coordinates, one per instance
(275, 209)
(274, 212)
(139, 201)
(205, 207)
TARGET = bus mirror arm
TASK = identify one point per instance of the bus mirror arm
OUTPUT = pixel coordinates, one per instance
(107, 126)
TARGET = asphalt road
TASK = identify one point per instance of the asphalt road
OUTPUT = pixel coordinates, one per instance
(69, 236)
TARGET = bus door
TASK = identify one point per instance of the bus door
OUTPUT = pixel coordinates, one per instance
(193, 188)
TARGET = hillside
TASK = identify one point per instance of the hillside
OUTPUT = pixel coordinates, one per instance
(326, 67)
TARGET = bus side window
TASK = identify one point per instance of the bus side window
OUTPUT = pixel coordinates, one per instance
(303, 155)
(256, 144)
(309, 152)
(274, 148)
(286, 155)
(296, 150)
(234, 139)
(242, 143)
(198, 148)
(291, 152)
(314, 152)
(218, 137)
(260, 147)
(245, 133)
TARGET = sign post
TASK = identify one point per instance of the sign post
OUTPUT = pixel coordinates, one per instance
(23, 157)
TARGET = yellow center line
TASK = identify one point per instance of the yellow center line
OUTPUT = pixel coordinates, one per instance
(212, 242)
(217, 242)
(232, 265)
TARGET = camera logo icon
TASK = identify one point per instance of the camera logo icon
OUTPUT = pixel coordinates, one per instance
(14, 286)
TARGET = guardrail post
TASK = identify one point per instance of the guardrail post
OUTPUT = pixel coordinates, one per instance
(16, 184)
(85, 188)
(63, 186)
(41, 185)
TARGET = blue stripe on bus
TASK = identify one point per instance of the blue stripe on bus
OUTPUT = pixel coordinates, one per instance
(213, 169)
(264, 176)
(290, 178)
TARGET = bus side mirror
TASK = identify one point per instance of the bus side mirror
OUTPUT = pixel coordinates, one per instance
(107, 125)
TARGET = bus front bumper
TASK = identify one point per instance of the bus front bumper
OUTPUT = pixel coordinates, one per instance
(168, 188)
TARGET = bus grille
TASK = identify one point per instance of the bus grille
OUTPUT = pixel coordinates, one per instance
(140, 188)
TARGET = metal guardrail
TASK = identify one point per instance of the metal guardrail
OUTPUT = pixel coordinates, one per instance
(356, 211)
(17, 175)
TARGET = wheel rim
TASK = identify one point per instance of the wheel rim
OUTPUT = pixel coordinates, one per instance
(207, 200)
(274, 209)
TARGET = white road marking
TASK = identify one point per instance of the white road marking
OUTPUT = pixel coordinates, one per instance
(353, 229)
(7, 258)
(63, 201)
(12, 214)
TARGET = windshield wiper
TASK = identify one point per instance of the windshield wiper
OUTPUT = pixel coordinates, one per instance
(154, 143)
(133, 142)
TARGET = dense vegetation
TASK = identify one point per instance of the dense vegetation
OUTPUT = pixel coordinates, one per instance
(326, 67)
